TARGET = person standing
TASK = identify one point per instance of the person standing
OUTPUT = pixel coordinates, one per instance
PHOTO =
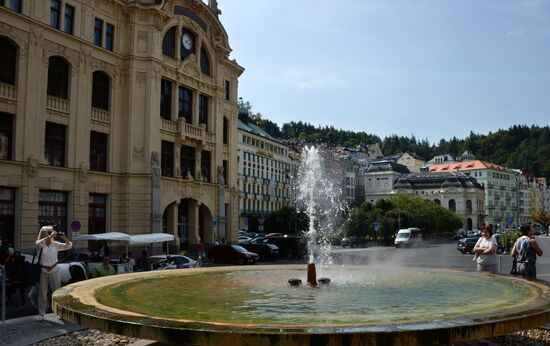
(49, 277)
(525, 250)
(104, 269)
(485, 251)
(201, 249)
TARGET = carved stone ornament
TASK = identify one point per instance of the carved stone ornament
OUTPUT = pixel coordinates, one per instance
(83, 173)
(190, 67)
(138, 154)
(221, 180)
(141, 78)
(32, 167)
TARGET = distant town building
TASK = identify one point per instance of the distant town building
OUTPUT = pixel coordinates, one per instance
(501, 189)
(454, 190)
(440, 159)
(380, 178)
(265, 174)
(412, 161)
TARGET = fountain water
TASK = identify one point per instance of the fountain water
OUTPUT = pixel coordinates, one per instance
(254, 305)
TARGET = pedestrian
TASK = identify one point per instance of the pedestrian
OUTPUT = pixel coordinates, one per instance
(485, 251)
(525, 250)
(201, 249)
(130, 262)
(49, 277)
(104, 269)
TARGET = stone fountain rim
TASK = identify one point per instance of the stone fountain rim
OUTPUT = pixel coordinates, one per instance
(77, 303)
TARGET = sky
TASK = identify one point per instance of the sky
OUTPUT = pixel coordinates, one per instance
(429, 68)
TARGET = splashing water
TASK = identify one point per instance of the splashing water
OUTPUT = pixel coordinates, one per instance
(319, 193)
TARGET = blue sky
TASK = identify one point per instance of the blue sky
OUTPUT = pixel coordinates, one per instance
(435, 69)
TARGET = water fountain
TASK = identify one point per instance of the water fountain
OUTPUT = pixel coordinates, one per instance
(255, 305)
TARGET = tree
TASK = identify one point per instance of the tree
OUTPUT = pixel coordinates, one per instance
(542, 217)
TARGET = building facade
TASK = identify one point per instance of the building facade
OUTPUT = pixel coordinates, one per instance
(380, 178)
(264, 175)
(455, 191)
(117, 115)
(501, 184)
(411, 161)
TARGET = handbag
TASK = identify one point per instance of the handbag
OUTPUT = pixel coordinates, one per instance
(514, 270)
(33, 270)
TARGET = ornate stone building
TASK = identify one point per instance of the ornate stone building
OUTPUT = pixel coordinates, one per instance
(455, 191)
(117, 115)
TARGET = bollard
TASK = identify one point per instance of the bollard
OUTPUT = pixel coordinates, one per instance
(499, 271)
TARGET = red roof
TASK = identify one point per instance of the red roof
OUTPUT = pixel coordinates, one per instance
(468, 166)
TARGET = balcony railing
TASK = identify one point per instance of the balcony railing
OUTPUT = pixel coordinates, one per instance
(169, 125)
(8, 91)
(101, 115)
(190, 131)
(59, 105)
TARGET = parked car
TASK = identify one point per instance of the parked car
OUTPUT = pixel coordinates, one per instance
(232, 254)
(466, 245)
(290, 247)
(243, 239)
(351, 241)
(266, 251)
(176, 262)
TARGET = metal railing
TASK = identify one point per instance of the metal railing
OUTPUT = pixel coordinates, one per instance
(3, 280)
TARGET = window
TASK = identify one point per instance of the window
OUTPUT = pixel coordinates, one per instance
(8, 61)
(109, 36)
(167, 159)
(7, 215)
(452, 205)
(14, 5)
(98, 32)
(165, 99)
(187, 161)
(97, 211)
(54, 14)
(225, 130)
(225, 169)
(54, 146)
(69, 19)
(101, 85)
(205, 62)
(58, 77)
(6, 136)
(52, 209)
(98, 151)
(227, 90)
(169, 43)
(205, 166)
(203, 110)
(185, 104)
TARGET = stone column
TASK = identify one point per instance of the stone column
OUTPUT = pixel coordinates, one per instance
(156, 215)
(221, 222)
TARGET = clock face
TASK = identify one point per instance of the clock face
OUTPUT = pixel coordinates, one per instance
(187, 41)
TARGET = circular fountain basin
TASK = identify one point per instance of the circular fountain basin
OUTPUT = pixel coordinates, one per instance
(255, 305)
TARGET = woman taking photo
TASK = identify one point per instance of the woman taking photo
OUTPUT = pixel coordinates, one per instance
(49, 277)
(486, 251)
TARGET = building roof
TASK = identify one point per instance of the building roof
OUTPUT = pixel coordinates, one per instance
(468, 166)
(252, 128)
(387, 166)
(438, 180)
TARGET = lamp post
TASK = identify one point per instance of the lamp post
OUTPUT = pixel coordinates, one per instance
(517, 179)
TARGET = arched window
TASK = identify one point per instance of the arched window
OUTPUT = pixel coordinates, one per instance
(205, 62)
(8, 61)
(438, 202)
(470, 224)
(101, 86)
(469, 206)
(58, 77)
(452, 205)
(169, 43)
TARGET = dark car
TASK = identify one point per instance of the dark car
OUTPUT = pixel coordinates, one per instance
(266, 251)
(350, 241)
(290, 247)
(465, 245)
(232, 254)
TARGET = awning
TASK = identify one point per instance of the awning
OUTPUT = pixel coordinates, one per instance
(150, 238)
(116, 236)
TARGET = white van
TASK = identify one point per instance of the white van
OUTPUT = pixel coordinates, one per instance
(407, 237)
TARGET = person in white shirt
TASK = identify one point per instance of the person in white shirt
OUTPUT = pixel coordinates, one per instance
(485, 251)
(49, 278)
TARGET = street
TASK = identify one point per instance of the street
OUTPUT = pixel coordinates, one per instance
(442, 255)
